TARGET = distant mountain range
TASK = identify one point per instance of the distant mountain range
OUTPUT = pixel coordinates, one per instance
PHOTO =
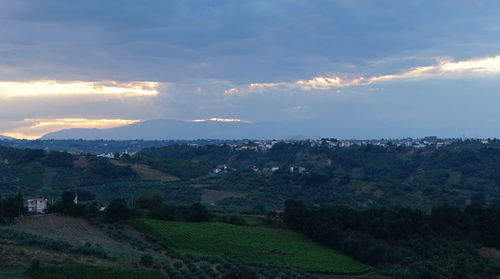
(5, 137)
(181, 130)
(162, 129)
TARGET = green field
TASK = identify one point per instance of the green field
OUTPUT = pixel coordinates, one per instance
(94, 272)
(259, 244)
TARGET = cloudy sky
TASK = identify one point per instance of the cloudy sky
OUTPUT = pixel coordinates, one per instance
(357, 68)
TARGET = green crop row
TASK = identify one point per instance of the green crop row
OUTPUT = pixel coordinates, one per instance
(257, 244)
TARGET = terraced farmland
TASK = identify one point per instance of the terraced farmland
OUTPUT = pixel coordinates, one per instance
(259, 244)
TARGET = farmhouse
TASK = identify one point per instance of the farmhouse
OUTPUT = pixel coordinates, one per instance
(37, 205)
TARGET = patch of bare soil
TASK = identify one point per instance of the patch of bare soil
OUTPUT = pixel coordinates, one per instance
(210, 196)
(82, 162)
(490, 253)
(147, 172)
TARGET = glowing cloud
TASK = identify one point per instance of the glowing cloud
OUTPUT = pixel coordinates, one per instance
(35, 128)
(219, 120)
(12, 89)
(488, 65)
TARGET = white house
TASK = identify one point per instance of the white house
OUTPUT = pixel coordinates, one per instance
(37, 205)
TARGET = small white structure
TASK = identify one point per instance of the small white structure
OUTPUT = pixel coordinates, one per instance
(300, 170)
(37, 205)
(106, 155)
(219, 169)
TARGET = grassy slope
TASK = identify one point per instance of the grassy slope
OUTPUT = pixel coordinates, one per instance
(280, 247)
(75, 231)
(94, 272)
(14, 273)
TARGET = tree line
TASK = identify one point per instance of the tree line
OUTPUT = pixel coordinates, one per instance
(399, 236)
(119, 210)
(11, 207)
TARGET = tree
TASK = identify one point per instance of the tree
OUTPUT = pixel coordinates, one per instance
(196, 213)
(153, 203)
(445, 217)
(58, 160)
(117, 210)
(345, 180)
(13, 206)
(31, 155)
(294, 214)
(165, 212)
(67, 205)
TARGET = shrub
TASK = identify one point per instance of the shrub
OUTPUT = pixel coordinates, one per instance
(117, 210)
(241, 274)
(147, 260)
(233, 219)
(35, 265)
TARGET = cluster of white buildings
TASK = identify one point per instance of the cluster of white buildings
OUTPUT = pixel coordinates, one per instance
(263, 146)
(111, 155)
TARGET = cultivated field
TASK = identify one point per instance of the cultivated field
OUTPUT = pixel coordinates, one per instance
(258, 244)
(76, 231)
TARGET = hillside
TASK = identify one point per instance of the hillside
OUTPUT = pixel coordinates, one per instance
(360, 176)
(47, 174)
(231, 177)
(88, 146)
(258, 244)
(69, 247)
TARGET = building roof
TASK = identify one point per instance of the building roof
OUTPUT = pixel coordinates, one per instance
(40, 199)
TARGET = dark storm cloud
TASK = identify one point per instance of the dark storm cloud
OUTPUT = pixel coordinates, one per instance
(202, 48)
(243, 41)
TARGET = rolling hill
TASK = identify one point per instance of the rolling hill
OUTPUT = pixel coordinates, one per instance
(162, 129)
(178, 130)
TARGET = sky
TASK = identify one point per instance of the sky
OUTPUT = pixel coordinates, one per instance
(357, 69)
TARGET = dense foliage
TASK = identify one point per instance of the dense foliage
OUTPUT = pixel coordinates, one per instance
(105, 168)
(47, 174)
(179, 168)
(157, 209)
(116, 211)
(400, 236)
(359, 176)
(11, 207)
(58, 160)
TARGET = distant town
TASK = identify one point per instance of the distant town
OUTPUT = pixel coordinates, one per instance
(113, 148)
